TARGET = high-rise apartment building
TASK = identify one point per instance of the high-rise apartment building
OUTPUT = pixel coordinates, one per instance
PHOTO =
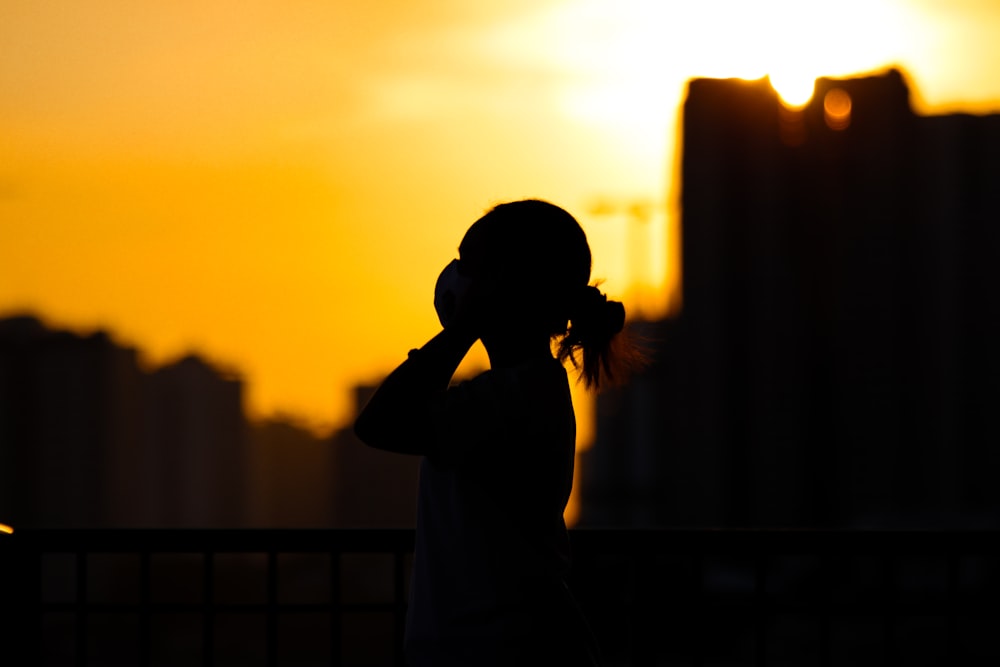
(835, 358)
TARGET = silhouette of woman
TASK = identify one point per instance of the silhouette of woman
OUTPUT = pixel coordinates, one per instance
(492, 549)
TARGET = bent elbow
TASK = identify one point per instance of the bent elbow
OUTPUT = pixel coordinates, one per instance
(395, 436)
(365, 430)
(375, 433)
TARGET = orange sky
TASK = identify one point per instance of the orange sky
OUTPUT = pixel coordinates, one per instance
(277, 184)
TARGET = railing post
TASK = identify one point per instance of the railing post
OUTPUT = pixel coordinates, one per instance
(82, 607)
(145, 616)
(272, 608)
(399, 609)
(699, 611)
(644, 606)
(336, 611)
(889, 610)
(208, 609)
(829, 566)
(951, 600)
(762, 612)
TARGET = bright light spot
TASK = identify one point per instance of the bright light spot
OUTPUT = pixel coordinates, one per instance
(794, 89)
(837, 109)
(622, 67)
(4, 528)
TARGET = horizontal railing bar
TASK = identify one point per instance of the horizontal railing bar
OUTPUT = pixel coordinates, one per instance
(915, 609)
(922, 611)
(791, 541)
(168, 540)
(182, 608)
(679, 541)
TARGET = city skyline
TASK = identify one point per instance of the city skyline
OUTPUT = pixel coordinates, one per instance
(897, 147)
(90, 438)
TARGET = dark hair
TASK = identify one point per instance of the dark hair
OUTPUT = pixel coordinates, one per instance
(541, 247)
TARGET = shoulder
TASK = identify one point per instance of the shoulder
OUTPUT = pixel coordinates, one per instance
(526, 383)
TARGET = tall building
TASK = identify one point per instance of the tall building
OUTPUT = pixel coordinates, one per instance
(89, 439)
(834, 361)
(68, 404)
(196, 434)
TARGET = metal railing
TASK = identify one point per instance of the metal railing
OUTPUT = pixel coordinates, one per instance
(653, 597)
(793, 597)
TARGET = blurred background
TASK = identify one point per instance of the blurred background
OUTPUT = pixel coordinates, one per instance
(220, 226)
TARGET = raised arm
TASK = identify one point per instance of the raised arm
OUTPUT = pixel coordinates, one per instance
(398, 417)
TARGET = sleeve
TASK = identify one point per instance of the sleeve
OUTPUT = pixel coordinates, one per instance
(400, 415)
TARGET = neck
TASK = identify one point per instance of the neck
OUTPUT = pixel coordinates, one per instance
(509, 351)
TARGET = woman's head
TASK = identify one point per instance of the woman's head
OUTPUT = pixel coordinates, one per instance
(529, 246)
(536, 260)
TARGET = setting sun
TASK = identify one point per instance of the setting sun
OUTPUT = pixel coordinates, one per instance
(795, 91)
(631, 46)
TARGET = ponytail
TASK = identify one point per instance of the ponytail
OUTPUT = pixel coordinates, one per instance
(595, 332)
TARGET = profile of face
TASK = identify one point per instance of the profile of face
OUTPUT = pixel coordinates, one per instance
(449, 291)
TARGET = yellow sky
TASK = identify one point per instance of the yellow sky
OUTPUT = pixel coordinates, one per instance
(277, 184)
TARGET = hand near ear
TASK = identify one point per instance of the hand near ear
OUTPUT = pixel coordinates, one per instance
(473, 311)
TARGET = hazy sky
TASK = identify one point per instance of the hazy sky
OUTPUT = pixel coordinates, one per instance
(277, 184)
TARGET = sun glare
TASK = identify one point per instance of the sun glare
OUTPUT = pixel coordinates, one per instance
(636, 54)
(795, 90)
(805, 40)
